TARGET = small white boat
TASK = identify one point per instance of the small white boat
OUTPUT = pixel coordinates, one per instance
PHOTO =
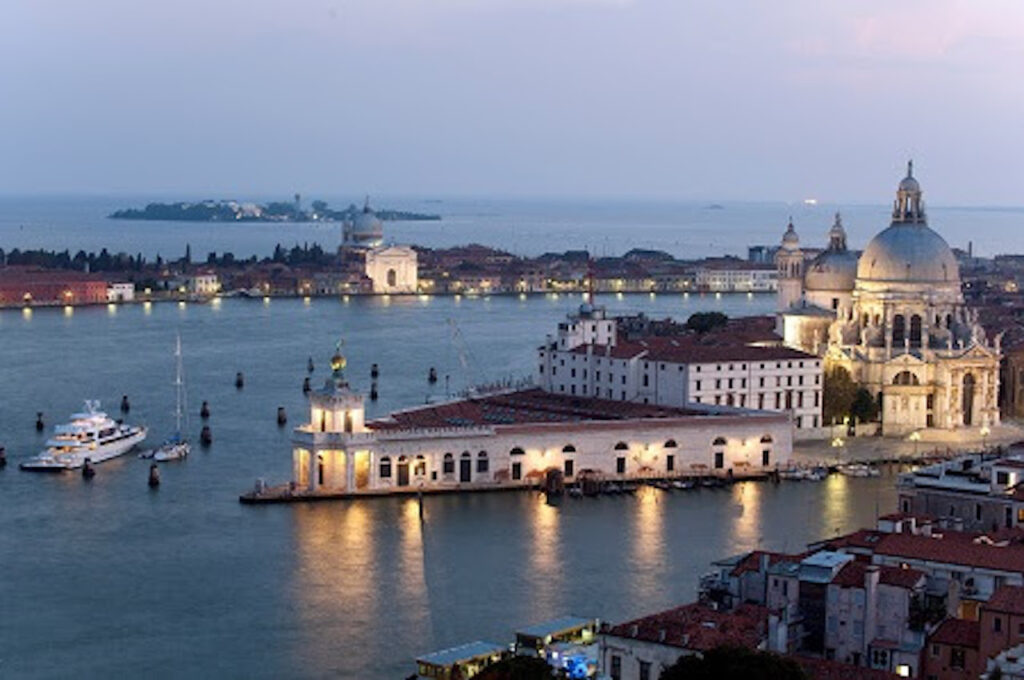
(176, 447)
(858, 470)
(91, 436)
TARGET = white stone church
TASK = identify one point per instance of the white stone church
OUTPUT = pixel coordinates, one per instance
(894, 317)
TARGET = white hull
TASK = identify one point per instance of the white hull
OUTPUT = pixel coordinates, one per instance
(73, 460)
(172, 451)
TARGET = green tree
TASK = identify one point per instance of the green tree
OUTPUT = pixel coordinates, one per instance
(734, 663)
(864, 407)
(837, 394)
(702, 322)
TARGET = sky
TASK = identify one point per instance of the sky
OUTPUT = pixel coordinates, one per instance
(725, 100)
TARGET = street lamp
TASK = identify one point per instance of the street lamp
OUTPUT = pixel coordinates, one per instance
(837, 444)
(915, 437)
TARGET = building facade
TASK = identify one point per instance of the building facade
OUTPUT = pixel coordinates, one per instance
(392, 269)
(515, 438)
(587, 358)
(894, 318)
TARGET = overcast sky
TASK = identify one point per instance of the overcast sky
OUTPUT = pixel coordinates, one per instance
(618, 98)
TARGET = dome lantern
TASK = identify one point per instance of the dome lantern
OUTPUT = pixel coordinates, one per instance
(908, 206)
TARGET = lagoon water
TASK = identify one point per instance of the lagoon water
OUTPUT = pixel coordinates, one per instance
(108, 578)
(525, 227)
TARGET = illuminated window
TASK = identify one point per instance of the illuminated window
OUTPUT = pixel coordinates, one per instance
(385, 467)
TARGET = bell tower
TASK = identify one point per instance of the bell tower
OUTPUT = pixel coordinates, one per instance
(790, 263)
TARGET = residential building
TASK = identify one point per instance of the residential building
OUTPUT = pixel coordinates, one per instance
(980, 492)
(951, 651)
(587, 358)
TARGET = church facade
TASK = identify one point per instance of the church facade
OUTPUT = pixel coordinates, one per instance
(894, 317)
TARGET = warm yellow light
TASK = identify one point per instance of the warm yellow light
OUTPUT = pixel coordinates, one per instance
(68, 310)
(985, 431)
(915, 436)
(27, 312)
(181, 304)
(306, 300)
(148, 291)
(266, 299)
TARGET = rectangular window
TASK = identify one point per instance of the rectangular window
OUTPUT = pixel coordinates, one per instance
(670, 462)
(719, 460)
(572, 373)
(957, 658)
(1002, 478)
(766, 457)
(718, 384)
(448, 466)
(568, 468)
(646, 380)
(730, 383)
(597, 375)
(616, 670)
(517, 470)
(760, 382)
(620, 465)
(697, 385)
(997, 624)
(645, 670)
(385, 469)
(481, 465)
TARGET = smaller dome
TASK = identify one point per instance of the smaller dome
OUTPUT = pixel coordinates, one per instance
(832, 270)
(367, 224)
(790, 240)
(909, 184)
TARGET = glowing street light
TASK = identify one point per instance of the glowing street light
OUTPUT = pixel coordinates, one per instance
(915, 437)
(837, 444)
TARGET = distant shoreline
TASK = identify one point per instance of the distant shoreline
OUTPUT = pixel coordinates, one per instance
(276, 212)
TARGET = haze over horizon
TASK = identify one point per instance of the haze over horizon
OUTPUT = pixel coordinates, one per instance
(588, 98)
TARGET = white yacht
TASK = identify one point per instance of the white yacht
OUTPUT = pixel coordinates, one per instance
(91, 436)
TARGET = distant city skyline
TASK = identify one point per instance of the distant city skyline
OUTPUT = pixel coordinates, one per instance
(578, 98)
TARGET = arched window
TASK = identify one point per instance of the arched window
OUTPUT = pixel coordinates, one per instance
(905, 378)
(420, 468)
(481, 461)
(448, 467)
(949, 321)
(899, 329)
(767, 439)
(864, 319)
(385, 467)
(392, 278)
(622, 446)
(466, 454)
(915, 331)
(719, 441)
(671, 444)
(517, 451)
(568, 448)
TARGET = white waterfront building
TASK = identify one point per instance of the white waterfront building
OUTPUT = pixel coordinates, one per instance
(393, 269)
(515, 438)
(120, 292)
(587, 358)
(738, 277)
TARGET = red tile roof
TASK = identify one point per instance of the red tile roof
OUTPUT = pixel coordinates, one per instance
(852, 576)
(957, 632)
(699, 627)
(524, 406)
(953, 547)
(752, 562)
(695, 349)
(1007, 599)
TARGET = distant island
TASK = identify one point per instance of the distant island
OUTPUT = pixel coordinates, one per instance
(277, 211)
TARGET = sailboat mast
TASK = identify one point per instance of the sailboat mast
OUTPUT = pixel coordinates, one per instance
(178, 385)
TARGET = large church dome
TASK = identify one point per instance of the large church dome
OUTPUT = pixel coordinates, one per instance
(908, 251)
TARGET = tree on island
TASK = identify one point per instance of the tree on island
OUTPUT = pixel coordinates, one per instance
(703, 322)
(864, 407)
(734, 663)
(837, 394)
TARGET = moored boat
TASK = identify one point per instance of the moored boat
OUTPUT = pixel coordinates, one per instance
(91, 435)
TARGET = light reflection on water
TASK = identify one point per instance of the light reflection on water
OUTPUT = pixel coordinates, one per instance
(348, 589)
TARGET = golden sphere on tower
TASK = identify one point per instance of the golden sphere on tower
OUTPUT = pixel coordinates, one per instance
(337, 362)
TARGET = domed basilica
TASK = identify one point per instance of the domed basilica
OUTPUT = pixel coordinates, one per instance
(894, 317)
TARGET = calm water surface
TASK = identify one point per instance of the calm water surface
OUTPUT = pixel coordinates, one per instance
(525, 227)
(108, 578)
